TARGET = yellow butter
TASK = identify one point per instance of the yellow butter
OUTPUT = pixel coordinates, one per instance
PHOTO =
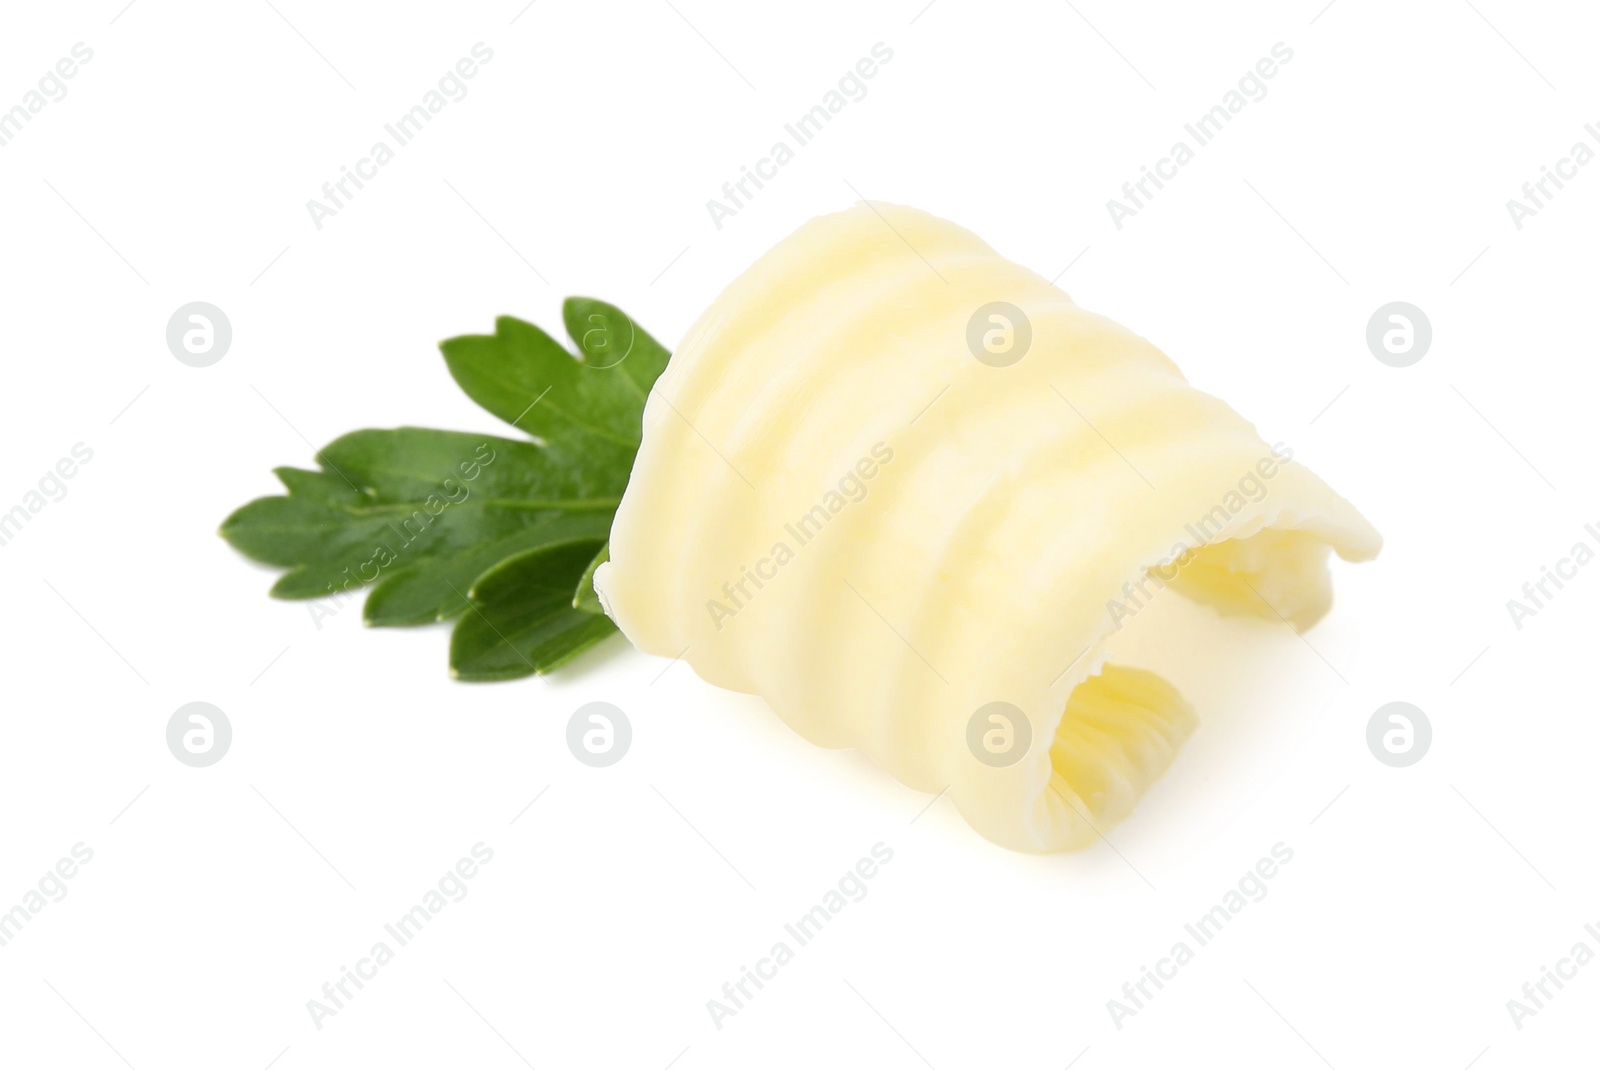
(855, 501)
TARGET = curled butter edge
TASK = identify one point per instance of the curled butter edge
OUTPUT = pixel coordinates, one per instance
(838, 508)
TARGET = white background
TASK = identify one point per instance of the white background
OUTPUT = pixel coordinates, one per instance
(1419, 900)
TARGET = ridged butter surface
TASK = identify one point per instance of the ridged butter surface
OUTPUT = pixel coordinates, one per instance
(838, 507)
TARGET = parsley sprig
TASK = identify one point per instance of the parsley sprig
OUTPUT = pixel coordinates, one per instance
(500, 535)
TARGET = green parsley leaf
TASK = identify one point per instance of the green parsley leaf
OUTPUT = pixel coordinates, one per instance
(503, 535)
(522, 618)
